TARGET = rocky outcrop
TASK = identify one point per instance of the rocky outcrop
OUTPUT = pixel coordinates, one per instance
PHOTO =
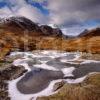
(58, 85)
(11, 72)
(48, 31)
(8, 72)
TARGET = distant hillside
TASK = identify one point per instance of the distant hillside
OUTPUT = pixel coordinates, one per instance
(90, 33)
(19, 33)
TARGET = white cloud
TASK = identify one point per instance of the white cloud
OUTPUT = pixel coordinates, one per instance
(5, 12)
(72, 14)
(21, 8)
(76, 30)
(32, 13)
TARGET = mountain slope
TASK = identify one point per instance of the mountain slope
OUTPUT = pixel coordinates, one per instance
(90, 33)
(20, 22)
(23, 24)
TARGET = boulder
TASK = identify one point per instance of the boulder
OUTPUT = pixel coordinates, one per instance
(8, 72)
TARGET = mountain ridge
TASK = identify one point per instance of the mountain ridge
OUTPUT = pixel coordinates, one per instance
(26, 24)
(92, 32)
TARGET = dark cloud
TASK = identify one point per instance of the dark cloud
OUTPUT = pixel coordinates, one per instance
(67, 12)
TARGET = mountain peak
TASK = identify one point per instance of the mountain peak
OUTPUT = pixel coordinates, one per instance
(89, 33)
(22, 23)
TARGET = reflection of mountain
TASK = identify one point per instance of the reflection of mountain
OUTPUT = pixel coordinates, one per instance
(21, 33)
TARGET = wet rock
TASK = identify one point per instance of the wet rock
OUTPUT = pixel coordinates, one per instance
(12, 72)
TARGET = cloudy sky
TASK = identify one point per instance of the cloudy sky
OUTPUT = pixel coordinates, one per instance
(72, 16)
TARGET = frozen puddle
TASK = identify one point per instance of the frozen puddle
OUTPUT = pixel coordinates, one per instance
(16, 95)
(45, 68)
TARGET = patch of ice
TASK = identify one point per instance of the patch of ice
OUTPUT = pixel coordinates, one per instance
(24, 54)
(18, 62)
(45, 66)
(64, 60)
(68, 71)
(72, 62)
(12, 89)
(45, 52)
(74, 81)
(17, 53)
(90, 61)
(54, 53)
(77, 55)
(16, 95)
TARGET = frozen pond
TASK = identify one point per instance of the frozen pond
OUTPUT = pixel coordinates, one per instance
(44, 69)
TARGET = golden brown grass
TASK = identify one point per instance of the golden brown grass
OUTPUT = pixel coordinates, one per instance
(85, 44)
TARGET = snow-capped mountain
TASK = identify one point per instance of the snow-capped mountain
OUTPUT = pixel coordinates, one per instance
(26, 24)
(21, 22)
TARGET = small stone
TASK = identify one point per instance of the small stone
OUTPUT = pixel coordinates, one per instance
(58, 85)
